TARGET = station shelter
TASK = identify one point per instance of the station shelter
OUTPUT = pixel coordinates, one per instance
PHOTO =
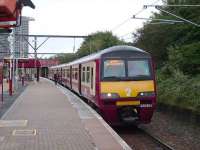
(23, 70)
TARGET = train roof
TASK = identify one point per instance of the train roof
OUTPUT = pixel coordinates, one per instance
(100, 53)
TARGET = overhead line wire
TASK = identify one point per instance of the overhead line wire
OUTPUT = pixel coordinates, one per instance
(119, 25)
(125, 21)
(125, 34)
(181, 18)
(172, 5)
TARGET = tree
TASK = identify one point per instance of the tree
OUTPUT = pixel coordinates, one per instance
(98, 41)
(176, 49)
(159, 38)
(186, 58)
(93, 43)
(66, 57)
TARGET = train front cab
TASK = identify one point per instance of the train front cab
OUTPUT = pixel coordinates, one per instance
(127, 87)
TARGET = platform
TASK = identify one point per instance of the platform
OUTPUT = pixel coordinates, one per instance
(49, 117)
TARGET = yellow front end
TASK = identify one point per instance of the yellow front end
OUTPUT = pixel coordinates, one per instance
(126, 99)
(127, 89)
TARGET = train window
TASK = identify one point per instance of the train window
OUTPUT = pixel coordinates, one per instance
(65, 73)
(68, 73)
(114, 68)
(76, 75)
(92, 75)
(88, 75)
(83, 75)
(72, 73)
(138, 68)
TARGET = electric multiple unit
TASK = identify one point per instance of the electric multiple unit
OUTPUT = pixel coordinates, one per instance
(118, 81)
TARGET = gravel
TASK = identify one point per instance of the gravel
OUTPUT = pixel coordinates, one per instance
(179, 134)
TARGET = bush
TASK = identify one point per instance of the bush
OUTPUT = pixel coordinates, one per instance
(186, 58)
(179, 90)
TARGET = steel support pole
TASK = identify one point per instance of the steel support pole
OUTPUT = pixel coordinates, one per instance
(36, 67)
(13, 74)
(2, 79)
(17, 73)
(23, 75)
(37, 72)
(10, 78)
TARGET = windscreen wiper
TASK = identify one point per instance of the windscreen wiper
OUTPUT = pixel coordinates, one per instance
(141, 76)
(113, 78)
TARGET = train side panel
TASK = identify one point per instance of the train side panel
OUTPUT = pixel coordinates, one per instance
(75, 78)
(66, 76)
(88, 81)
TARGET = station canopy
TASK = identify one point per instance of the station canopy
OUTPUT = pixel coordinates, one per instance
(33, 63)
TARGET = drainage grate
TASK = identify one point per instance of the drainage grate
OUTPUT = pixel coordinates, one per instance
(24, 132)
(13, 123)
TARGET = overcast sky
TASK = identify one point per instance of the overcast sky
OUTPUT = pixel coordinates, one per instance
(83, 17)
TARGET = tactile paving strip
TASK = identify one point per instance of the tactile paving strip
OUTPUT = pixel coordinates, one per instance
(13, 123)
(27, 132)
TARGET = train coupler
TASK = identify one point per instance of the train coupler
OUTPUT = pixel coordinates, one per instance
(128, 114)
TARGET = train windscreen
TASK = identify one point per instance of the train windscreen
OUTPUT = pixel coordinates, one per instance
(138, 68)
(114, 69)
(126, 69)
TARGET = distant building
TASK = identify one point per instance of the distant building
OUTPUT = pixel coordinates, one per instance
(4, 46)
(19, 44)
(21, 47)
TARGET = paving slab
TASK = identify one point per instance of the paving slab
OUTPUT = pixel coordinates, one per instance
(55, 120)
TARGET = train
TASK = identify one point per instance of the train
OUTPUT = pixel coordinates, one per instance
(118, 81)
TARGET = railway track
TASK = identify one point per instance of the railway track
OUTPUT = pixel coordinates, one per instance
(139, 139)
(159, 141)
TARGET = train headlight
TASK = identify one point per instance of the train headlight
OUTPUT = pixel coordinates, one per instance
(146, 94)
(109, 95)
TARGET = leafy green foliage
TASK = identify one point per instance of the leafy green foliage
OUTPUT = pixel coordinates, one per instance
(179, 90)
(93, 43)
(186, 58)
(158, 38)
(66, 57)
(98, 41)
(152, 38)
(176, 50)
